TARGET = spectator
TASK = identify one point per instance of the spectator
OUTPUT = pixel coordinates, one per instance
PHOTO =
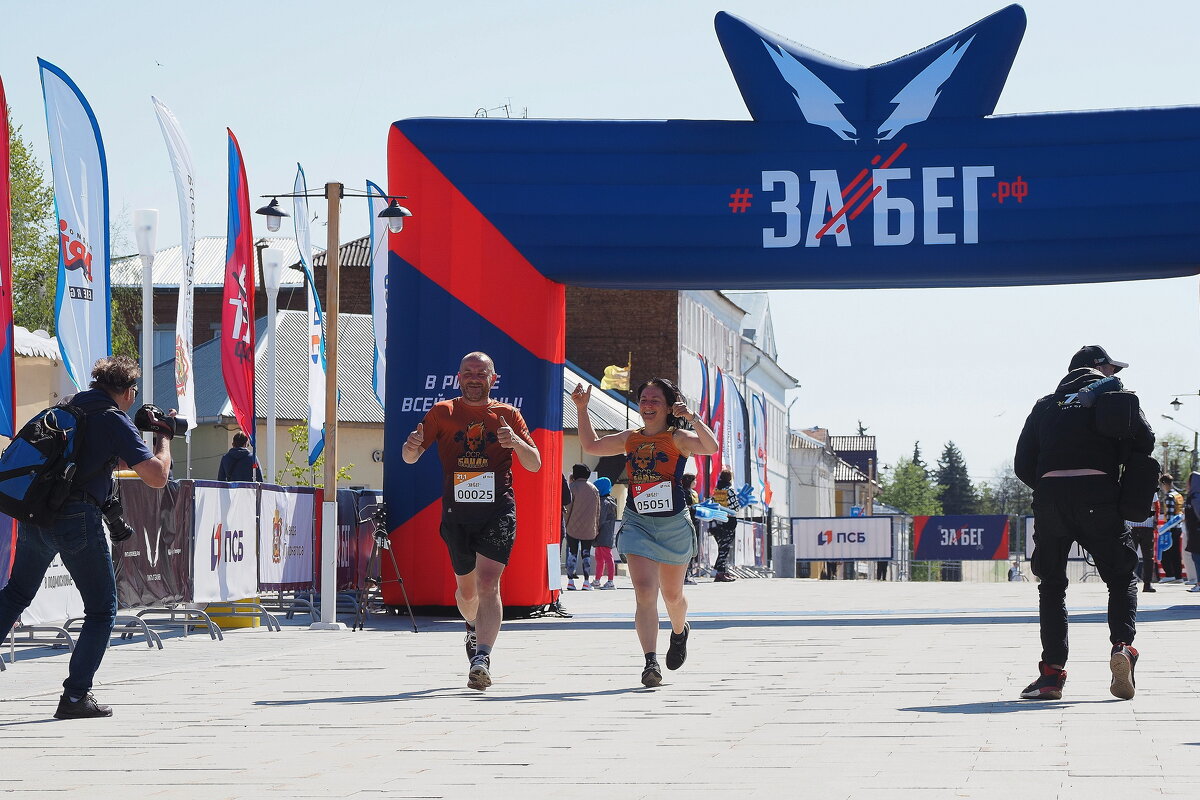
(1191, 519)
(1171, 503)
(583, 524)
(724, 532)
(1145, 535)
(688, 482)
(239, 463)
(607, 536)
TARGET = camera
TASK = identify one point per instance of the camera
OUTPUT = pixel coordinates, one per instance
(118, 529)
(152, 419)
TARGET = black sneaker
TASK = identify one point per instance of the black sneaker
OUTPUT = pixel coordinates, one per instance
(85, 707)
(1121, 662)
(677, 652)
(472, 643)
(1047, 687)
(652, 674)
(723, 577)
(480, 676)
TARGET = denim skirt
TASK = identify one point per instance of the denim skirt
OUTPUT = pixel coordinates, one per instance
(667, 540)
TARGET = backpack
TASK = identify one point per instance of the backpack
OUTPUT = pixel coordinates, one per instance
(38, 469)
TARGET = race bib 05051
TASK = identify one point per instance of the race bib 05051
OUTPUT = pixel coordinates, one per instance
(652, 498)
(474, 487)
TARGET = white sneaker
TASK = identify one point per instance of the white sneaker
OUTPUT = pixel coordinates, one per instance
(609, 585)
(587, 586)
(596, 583)
(1194, 589)
(570, 586)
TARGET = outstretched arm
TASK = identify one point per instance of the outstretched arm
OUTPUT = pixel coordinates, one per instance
(702, 441)
(611, 445)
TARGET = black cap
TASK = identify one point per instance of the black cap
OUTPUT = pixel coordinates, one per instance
(1093, 355)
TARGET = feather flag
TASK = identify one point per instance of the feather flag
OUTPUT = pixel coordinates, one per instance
(82, 301)
(237, 317)
(703, 411)
(617, 377)
(717, 423)
(185, 187)
(8, 383)
(316, 329)
(377, 201)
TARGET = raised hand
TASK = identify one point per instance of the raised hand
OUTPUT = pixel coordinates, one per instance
(417, 437)
(505, 435)
(581, 396)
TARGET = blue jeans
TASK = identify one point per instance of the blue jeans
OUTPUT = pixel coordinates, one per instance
(77, 535)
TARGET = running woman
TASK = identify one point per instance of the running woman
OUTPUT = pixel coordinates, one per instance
(477, 438)
(657, 536)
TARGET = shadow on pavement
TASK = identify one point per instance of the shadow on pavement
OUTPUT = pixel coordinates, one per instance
(445, 691)
(551, 696)
(1005, 706)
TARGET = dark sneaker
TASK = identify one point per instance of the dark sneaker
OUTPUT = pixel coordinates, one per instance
(480, 676)
(652, 675)
(471, 642)
(677, 652)
(723, 577)
(1149, 588)
(84, 708)
(1121, 662)
(1047, 687)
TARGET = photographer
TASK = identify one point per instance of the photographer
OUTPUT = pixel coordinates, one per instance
(106, 440)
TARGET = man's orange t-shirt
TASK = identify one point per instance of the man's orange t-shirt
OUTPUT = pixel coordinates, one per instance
(477, 471)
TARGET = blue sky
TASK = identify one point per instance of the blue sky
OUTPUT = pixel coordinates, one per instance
(319, 84)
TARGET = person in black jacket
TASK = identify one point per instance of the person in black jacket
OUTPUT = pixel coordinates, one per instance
(238, 464)
(1074, 471)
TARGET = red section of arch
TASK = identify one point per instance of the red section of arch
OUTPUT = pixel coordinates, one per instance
(453, 244)
(425, 566)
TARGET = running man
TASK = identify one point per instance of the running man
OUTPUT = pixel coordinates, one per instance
(476, 438)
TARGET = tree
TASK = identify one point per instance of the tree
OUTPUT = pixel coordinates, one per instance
(35, 250)
(1005, 494)
(916, 459)
(957, 494)
(907, 487)
(295, 462)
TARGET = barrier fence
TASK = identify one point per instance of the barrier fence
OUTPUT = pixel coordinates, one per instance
(198, 541)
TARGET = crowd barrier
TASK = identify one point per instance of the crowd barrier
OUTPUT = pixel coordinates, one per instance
(196, 542)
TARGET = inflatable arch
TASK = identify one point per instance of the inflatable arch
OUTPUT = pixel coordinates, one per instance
(847, 177)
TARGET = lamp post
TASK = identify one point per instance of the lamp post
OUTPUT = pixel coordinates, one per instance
(145, 230)
(1195, 437)
(272, 271)
(394, 214)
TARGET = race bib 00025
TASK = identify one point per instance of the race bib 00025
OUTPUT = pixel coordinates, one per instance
(474, 487)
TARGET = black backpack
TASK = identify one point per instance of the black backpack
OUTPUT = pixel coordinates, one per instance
(38, 468)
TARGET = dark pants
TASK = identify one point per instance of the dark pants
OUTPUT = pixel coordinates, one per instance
(1172, 557)
(881, 568)
(724, 533)
(574, 546)
(77, 536)
(1144, 538)
(1084, 510)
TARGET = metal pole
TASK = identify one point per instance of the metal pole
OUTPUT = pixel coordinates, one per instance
(333, 194)
(272, 411)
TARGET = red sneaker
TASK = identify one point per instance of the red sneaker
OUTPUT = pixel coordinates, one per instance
(1121, 662)
(1048, 686)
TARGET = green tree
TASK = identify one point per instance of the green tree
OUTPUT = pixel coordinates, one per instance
(908, 487)
(296, 471)
(35, 250)
(957, 495)
(916, 458)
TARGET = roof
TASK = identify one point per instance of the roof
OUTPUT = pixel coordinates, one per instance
(209, 267)
(607, 413)
(849, 444)
(847, 472)
(35, 344)
(756, 326)
(355, 253)
(799, 440)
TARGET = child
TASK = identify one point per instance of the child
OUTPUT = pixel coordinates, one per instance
(608, 533)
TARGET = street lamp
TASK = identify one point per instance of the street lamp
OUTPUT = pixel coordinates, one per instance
(272, 271)
(395, 214)
(145, 230)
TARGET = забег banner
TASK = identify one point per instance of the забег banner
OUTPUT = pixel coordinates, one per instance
(960, 537)
(82, 301)
(842, 538)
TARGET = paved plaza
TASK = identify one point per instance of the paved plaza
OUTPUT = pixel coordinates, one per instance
(792, 688)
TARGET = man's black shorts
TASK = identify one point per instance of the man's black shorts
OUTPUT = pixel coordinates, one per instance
(492, 538)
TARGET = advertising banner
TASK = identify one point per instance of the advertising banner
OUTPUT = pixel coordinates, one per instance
(842, 538)
(8, 384)
(56, 600)
(316, 329)
(154, 565)
(237, 303)
(962, 537)
(82, 300)
(1077, 553)
(356, 533)
(185, 187)
(225, 556)
(376, 203)
(8, 546)
(285, 537)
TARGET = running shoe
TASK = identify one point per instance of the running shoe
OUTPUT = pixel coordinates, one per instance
(1195, 589)
(480, 676)
(571, 585)
(472, 643)
(587, 586)
(723, 577)
(85, 707)
(609, 585)
(1048, 686)
(677, 652)
(1121, 662)
(652, 674)
(1149, 588)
